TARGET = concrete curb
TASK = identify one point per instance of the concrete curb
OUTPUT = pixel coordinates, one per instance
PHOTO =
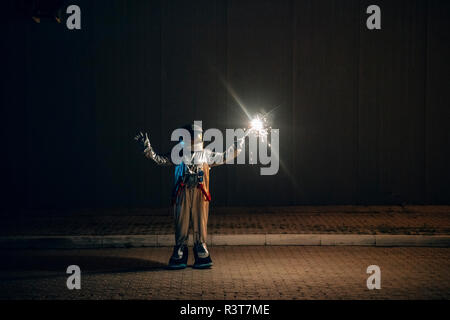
(167, 240)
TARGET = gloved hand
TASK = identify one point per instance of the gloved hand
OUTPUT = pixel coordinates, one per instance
(143, 141)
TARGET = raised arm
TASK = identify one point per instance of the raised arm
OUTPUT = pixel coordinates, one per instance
(218, 158)
(148, 151)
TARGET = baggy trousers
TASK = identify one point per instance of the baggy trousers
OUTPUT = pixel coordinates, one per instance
(191, 208)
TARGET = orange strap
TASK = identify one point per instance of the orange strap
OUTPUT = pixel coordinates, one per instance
(206, 194)
(175, 196)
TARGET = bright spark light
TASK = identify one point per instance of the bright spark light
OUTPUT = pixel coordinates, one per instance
(256, 124)
(259, 126)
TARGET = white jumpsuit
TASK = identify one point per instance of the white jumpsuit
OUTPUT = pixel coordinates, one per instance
(190, 203)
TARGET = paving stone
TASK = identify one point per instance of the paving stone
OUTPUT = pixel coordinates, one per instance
(369, 220)
(239, 272)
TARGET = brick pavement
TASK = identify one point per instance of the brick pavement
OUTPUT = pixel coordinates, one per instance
(239, 273)
(428, 220)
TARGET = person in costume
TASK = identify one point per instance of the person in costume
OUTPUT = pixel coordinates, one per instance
(191, 196)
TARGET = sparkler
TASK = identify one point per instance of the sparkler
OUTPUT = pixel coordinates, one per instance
(259, 126)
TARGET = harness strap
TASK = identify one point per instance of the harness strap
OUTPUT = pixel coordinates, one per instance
(181, 185)
(206, 194)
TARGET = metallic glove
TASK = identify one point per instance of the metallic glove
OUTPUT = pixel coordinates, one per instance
(143, 141)
(149, 152)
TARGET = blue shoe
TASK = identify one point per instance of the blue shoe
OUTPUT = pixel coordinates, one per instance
(202, 257)
(179, 258)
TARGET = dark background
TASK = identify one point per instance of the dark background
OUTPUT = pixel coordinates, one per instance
(363, 115)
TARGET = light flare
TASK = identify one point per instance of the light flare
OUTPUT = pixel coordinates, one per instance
(259, 126)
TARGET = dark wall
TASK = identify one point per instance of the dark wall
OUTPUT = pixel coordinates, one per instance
(363, 115)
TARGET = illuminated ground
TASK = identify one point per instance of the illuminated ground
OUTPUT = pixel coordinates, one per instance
(239, 273)
(409, 220)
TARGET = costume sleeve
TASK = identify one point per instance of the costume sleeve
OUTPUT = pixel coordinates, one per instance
(219, 158)
(149, 152)
(162, 160)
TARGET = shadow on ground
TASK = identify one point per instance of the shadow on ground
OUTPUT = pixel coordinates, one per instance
(58, 262)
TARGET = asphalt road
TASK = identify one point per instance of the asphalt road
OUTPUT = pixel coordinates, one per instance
(260, 272)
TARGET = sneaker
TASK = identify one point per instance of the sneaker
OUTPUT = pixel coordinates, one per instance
(179, 258)
(202, 256)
